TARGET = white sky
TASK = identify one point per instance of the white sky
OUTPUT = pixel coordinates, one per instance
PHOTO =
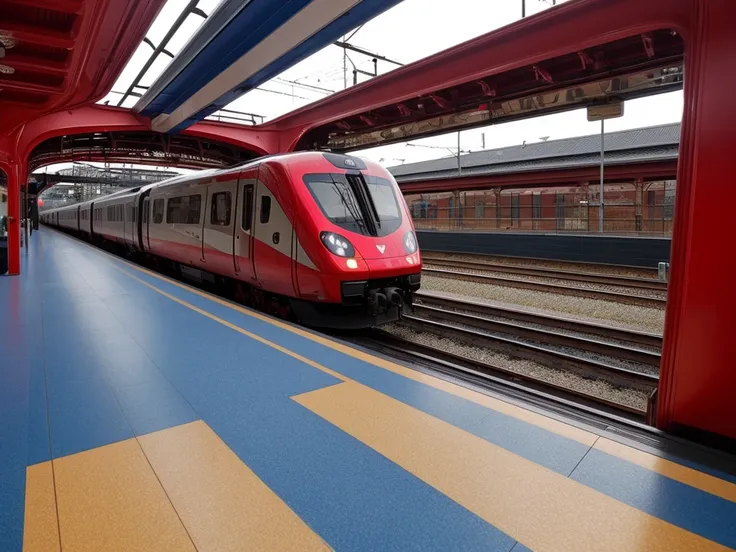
(410, 31)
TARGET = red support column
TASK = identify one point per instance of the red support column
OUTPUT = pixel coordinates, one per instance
(14, 218)
(698, 373)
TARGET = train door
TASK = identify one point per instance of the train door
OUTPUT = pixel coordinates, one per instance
(79, 219)
(219, 221)
(272, 237)
(145, 216)
(129, 223)
(243, 232)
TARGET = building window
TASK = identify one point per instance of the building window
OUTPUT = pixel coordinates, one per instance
(220, 209)
(537, 205)
(669, 200)
(183, 210)
(480, 210)
(158, 211)
(560, 206)
(515, 207)
(651, 204)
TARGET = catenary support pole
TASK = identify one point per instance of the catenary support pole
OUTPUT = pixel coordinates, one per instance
(600, 203)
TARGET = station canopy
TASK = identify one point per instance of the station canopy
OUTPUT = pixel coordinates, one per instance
(406, 32)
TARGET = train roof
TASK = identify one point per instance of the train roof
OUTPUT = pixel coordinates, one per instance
(283, 157)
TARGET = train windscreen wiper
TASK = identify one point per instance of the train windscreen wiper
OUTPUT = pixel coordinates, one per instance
(358, 185)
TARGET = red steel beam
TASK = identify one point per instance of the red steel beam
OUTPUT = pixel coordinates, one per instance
(555, 32)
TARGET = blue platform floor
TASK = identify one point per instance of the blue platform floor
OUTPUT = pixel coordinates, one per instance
(138, 413)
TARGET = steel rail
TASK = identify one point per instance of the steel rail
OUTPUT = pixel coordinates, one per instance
(615, 296)
(633, 337)
(543, 337)
(568, 275)
(433, 357)
(584, 367)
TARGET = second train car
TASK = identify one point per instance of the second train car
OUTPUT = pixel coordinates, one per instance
(324, 238)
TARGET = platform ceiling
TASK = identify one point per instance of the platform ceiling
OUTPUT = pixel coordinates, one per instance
(392, 42)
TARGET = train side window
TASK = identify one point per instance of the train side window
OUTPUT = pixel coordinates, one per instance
(173, 206)
(220, 210)
(158, 211)
(184, 210)
(248, 207)
(265, 209)
(194, 209)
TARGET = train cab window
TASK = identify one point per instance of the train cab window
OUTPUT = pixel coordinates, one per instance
(220, 210)
(183, 210)
(265, 209)
(248, 207)
(158, 211)
(360, 203)
(384, 199)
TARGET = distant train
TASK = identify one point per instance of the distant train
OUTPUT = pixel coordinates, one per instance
(322, 238)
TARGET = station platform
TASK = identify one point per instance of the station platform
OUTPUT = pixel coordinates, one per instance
(141, 414)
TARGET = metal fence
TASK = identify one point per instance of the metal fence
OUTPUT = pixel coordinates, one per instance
(647, 210)
(610, 226)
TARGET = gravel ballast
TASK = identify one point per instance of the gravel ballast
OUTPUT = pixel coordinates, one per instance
(592, 387)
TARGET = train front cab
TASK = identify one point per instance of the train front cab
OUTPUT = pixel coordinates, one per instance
(357, 260)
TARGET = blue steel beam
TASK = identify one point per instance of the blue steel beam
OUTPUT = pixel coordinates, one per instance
(243, 44)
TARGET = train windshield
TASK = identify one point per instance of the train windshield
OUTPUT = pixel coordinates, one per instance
(359, 203)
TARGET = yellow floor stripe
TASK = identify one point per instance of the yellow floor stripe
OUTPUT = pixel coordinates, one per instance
(110, 500)
(540, 508)
(673, 470)
(223, 504)
(41, 529)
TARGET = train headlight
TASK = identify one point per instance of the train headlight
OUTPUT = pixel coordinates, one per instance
(410, 243)
(337, 244)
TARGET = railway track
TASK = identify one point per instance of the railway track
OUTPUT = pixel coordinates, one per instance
(632, 337)
(549, 341)
(541, 272)
(457, 326)
(484, 373)
(604, 295)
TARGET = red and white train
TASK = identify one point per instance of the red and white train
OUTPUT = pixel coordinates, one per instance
(324, 238)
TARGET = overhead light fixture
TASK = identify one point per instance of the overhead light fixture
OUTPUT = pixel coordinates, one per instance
(5, 70)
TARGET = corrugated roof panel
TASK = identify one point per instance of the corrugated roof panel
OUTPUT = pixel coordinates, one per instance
(626, 140)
